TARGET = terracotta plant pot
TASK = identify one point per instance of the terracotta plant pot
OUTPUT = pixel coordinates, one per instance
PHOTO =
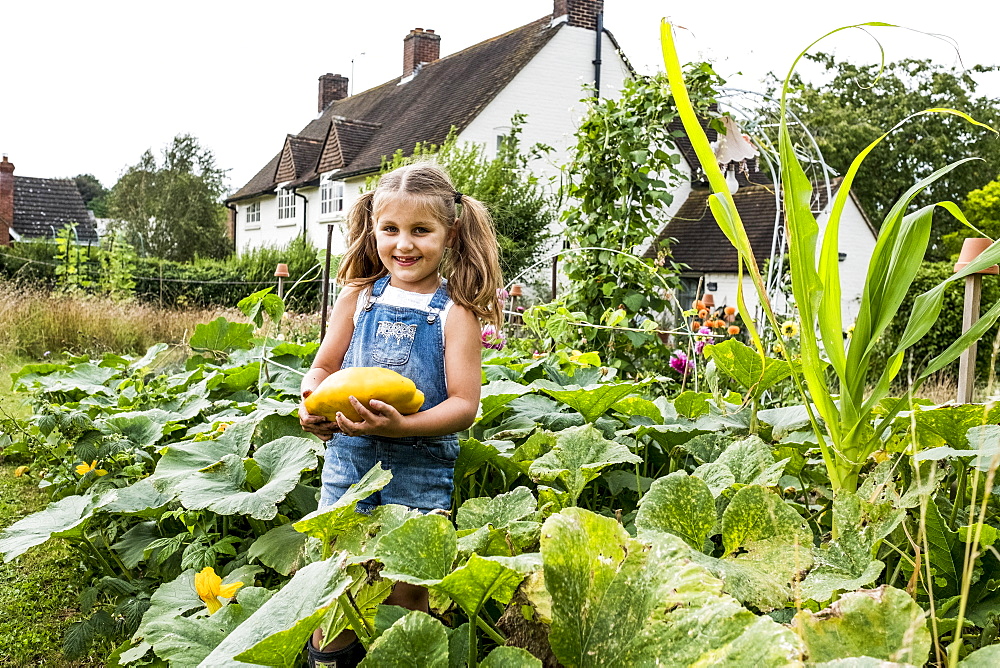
(971, 249)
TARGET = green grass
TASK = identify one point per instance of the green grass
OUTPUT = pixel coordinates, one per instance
(39, 590)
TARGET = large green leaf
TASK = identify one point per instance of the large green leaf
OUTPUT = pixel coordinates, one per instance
(140, 498)
(495, 396)
(472, 455)
(984, 657)
(181, 460)
(187, 641)
(751, 463)
(510, 657)
(883, 623)
(498, 511)
(78, 381)
(220, 336)
(946, 552)
(174, 599)
(140, 429)
(679, 504)
(420, 552)
(741, 363)
(948, 425)
(847, 563)
(222, 487)
(275, 634)
(416, 640)
(616, 601)
(327, 523)
(64, 518)
(579, 456)
(591, 401)
(282, 548)
(479, 580)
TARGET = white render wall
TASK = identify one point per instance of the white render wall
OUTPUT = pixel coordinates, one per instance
(856, 239)
(550, 90)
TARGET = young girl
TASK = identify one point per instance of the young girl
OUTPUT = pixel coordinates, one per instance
(420, 272)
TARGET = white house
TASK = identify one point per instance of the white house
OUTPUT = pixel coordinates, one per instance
(540, 69)
(711, 262)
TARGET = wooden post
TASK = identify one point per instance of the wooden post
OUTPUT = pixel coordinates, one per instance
(326, 283)
(971, 249)
(967, 362)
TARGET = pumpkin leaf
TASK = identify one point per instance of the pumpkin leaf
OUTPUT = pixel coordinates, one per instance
(883, 623)
(679, 504)
(579, 456)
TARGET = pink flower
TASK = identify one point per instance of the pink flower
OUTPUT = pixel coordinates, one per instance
(492, 338)
(680, 363)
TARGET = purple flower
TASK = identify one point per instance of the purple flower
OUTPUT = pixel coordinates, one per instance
(680, 363)
(492, 338)
(704, 330)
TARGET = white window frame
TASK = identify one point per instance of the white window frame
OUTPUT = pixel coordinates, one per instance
(286, 207)
(251, 220)
(331, 198)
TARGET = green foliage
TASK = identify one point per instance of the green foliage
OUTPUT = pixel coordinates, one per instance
(946, 329)
(171, 209)
(855, 104)
(622, 171)
(518, 200)
(95, 195)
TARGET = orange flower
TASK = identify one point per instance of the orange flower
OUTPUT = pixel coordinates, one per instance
(698, 304)
(733, 330)
(695, 325)
(703, 313)
(730, 310)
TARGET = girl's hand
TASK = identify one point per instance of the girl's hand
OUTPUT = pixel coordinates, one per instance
(382, 420)
(316, 424)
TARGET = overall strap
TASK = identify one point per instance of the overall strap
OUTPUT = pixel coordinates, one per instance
(377, 289)
(438, 302)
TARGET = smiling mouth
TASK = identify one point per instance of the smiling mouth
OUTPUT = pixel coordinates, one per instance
(406, 261)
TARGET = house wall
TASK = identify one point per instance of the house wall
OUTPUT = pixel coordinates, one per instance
(856, 240)
(553, 106)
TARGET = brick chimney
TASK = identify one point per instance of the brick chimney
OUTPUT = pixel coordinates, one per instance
(579, 13)
(419, 47)
(331, 87)
(6, 200)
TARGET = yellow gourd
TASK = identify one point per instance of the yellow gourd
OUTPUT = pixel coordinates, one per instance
(364, 383)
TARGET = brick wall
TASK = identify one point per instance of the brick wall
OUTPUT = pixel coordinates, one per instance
(582, 13)
(6, 200)
(420, 46)
(331, 87)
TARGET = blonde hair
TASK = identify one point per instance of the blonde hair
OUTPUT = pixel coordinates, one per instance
(471, 264)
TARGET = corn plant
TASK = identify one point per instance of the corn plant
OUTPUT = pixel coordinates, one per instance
(855, 421)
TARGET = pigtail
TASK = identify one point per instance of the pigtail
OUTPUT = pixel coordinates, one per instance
(360, 265)
(473, 264)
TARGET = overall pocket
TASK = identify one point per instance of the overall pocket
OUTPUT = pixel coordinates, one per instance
(393, 342)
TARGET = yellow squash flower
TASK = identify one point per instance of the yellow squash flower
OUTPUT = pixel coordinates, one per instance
(209, 587)
(85, 468)
(789, 328)
(20, 471)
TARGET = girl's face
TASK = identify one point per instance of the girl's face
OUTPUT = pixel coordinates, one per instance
(410, 244)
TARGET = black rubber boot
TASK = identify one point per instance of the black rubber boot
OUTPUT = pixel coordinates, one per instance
(346, 657)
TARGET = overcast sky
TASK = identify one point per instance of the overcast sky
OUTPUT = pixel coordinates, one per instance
(86, 87)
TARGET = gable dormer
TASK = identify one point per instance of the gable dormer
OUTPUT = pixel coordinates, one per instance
(344, 140)
(298, 158)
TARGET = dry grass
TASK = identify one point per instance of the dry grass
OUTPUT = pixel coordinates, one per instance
(35, 324)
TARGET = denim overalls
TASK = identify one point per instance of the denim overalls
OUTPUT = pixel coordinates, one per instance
(411, 342)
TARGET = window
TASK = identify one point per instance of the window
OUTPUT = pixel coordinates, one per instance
(286, 204)
(331, 197)
(253, 214)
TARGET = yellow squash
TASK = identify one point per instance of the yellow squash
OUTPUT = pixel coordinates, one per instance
(364, 383)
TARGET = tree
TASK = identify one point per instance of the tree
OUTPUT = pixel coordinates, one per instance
(95, 195)
(173, 210)
(859, 103)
